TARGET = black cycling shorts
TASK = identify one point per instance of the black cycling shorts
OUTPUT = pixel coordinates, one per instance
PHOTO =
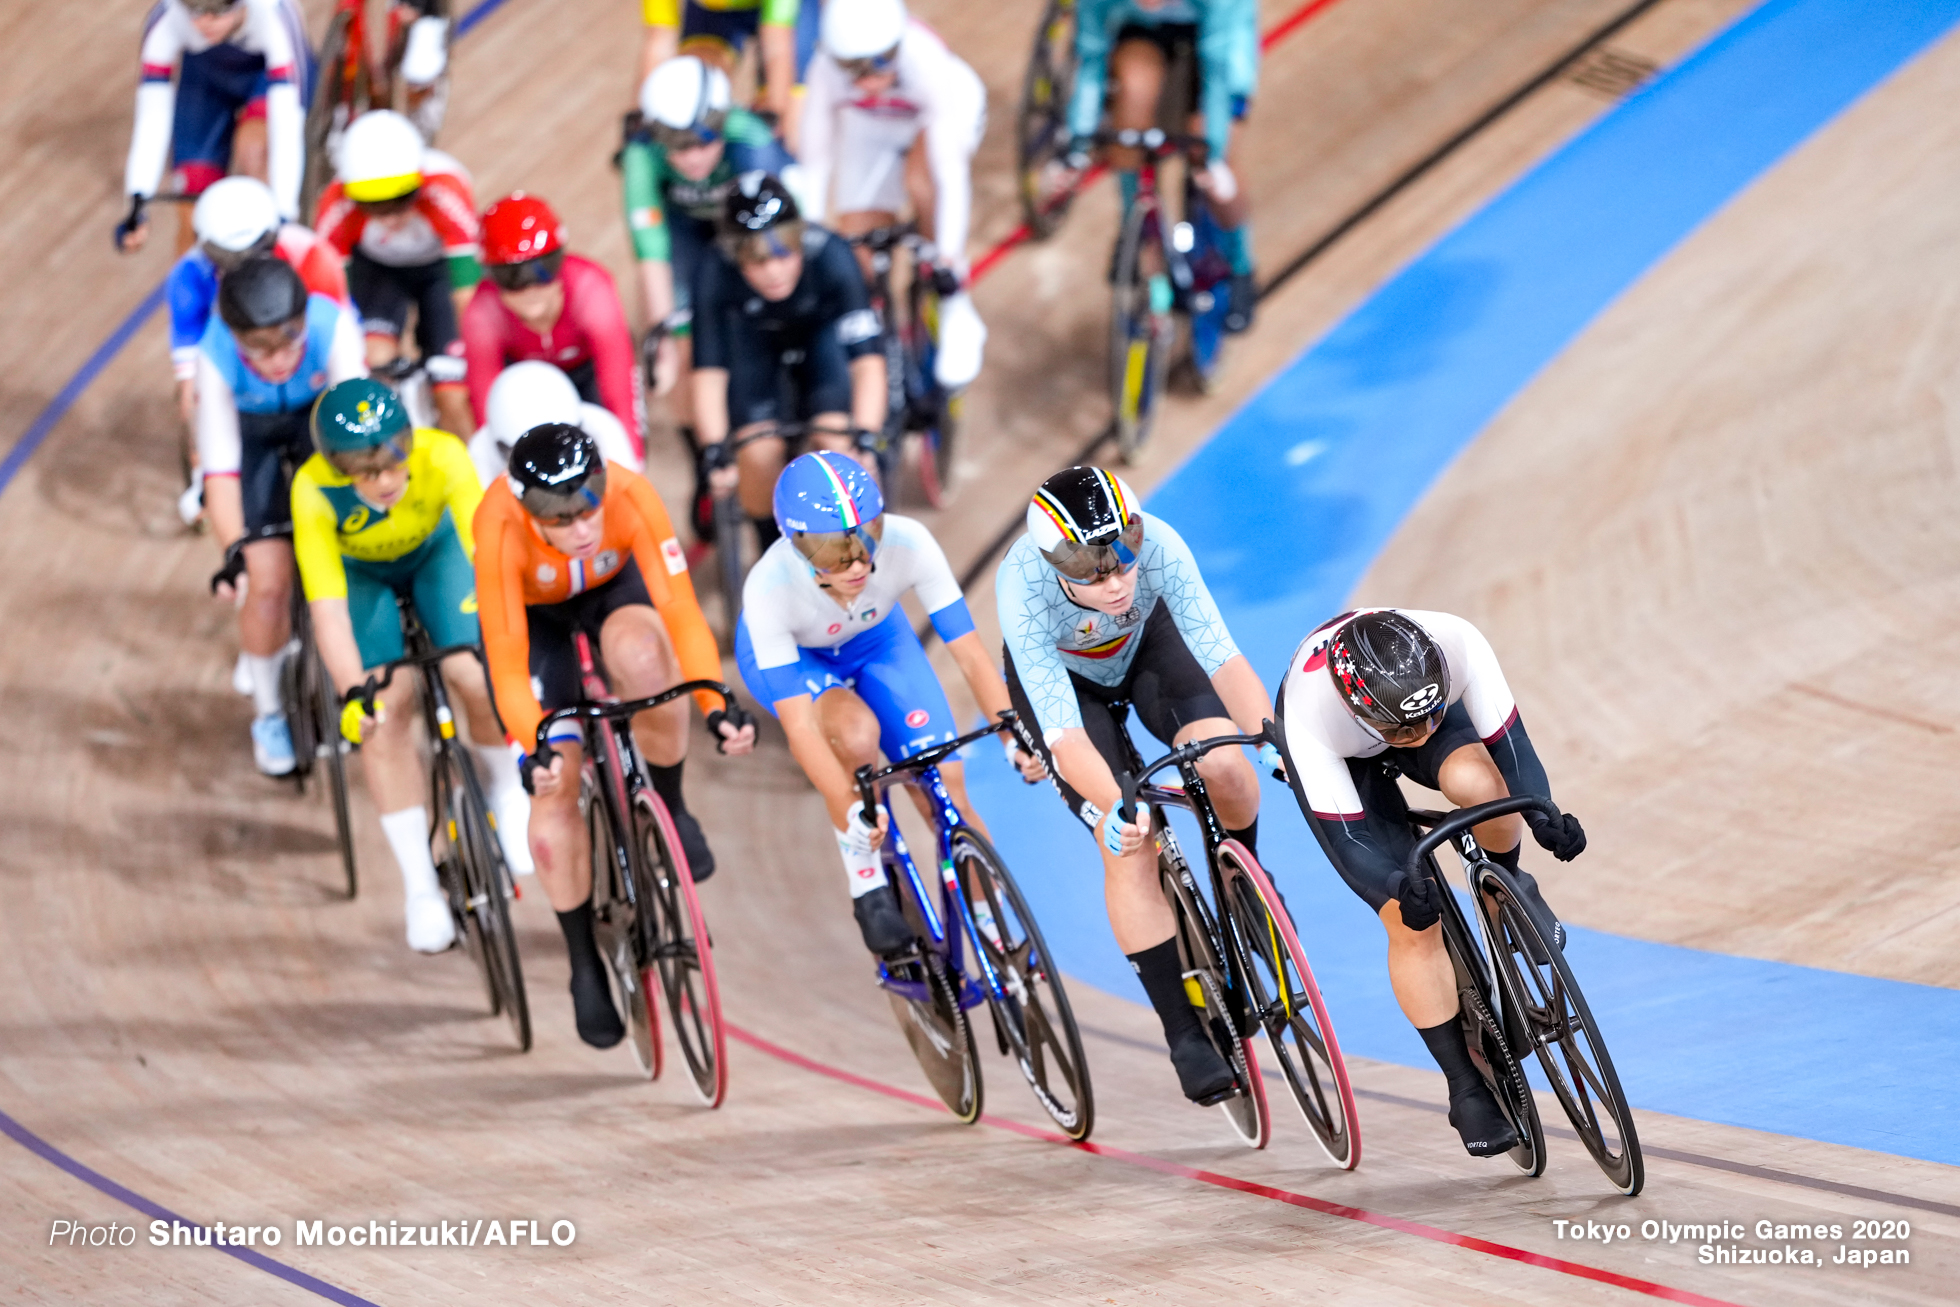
(554, 652)
(1386, 812)
(1165, 684)
(767, 383)
(383, 295)
(270, 447)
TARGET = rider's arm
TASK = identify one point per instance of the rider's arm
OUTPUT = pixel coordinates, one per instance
(218, 447)
(285, 115)
(592, 303)
(844, 300)
(958, 106)
(317, 262)
(192, 286)
(156, 102)
(1219, 52)
(347, 355)
(640, 172)
(482, 327)
(662, 19)
(1487, 698)
(323, 576)
(462, 492)
(776, 35)
(1092, 46)
(710, 378)
(824, 89)
(663, 566)
(447, 204)
(1203, 627)
(500, 556)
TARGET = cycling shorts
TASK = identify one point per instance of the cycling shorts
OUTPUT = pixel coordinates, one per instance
(1180, 40)
(554, 651)
(886, 667)
(767, 383)
(384, 294)
(216, 88)
(1165, 684)
(730, 29)
(689, 241)
(270, 447)
(435, 576)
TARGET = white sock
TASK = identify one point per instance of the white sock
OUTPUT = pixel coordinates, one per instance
(264, 670)
(408, 836)
(509, 802)
(862, 866)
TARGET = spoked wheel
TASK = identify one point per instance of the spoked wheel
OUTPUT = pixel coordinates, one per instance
(1287, 1005)
(1204, 981)
(1041, 126)
(487, 905)
(327, 116)
(1141, 331)
(614, 925)
(1547, 1003)
(675, 937)
(731, 532)
(936, 1027)
(1032, 1017)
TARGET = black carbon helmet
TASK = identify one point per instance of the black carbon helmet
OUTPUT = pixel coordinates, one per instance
(557, 471)
(1388, 670)
(261, 292)
(1087, 522)
(757, 205)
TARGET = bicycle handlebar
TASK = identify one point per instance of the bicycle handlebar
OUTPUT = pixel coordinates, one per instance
(1463, 819)
(869, 779)
(376, 684)
(1188, 752)
(1153, 140)
(623, 708)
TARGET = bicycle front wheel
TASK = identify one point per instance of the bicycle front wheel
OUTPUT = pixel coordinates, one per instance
(1287, 1004)
(731, 528)
(616, 913)
(331, 753)
(333, 94)
(1544, 996)
(675, 936)
(1031, 1009)
(925, 997)
(1041, 126)
(1141, 330)
(1492, 1050)
(1206, 983)
(489, 891)
(940, 423)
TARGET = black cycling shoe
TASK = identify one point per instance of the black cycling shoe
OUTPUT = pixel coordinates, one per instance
(882, 922)
(592, 1006)
(1238, 313)
(1529, 891)
(1480, 1123)
(1203, 1075)
(700, 858)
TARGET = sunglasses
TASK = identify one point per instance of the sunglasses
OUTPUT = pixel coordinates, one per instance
(373, 461)
(1409, 735)
(389, 208)
(698, 137)
(264, 342)
(839, 551)
(859, 69)
(567, 519)
(532, 272)
(211, 8)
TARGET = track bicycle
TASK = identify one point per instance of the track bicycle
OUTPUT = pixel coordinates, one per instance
(463, 840)
(1041, 135)
(917, 401)
(973, 903)
(1244, 968)
(348, 84)
(1518, 996)
(646, 916)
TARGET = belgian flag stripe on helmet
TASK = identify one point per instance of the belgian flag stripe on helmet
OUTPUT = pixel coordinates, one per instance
(1067, 525)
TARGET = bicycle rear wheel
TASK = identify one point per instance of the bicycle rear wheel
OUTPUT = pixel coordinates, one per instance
(488, 893)
(1491, 1050)
(1206, 982)
(616, 925)
(1032, 1015)
(731, 530)
(675, 938)
(937, 1029)
(1547, 1003)
(1041, 125)
(1287, 1004)
(1141, 331)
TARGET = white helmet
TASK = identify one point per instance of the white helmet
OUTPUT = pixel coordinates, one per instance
(862, 29)
(380, 157)
(527, 395)
(236, 215)
(683, 92)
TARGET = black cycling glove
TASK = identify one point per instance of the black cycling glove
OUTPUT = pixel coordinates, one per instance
(1564, 838)
(1421, 899)
(735, 715)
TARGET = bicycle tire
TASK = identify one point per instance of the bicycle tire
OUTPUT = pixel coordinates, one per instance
(490, 892)
(1312, 1062)
(446, 851)
(333, 750)
(1554, 1013)
(615, 923)
(1206, 983)
(1490, 1050)
(1139, 339)
(1040, 123)
(731, 526)
(1023, 1020)
(331, 89)
(679, 949)
(941, 427)
(940, 1035)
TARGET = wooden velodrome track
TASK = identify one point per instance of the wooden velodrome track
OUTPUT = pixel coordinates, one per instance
(193, 1013)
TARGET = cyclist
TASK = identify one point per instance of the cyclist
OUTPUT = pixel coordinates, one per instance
(382, 511)
(403, 216)
(823, 643)
(677, 165)
(1101, 602)
(717, 31)
(540, 302)
(530, 394)
(781, 308)
(244, 73)
(1136, 41)
(894, 114)
(1377, 693)
(264, 359)
(567, 543)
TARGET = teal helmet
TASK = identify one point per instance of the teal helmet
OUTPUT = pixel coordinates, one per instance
(357, 415)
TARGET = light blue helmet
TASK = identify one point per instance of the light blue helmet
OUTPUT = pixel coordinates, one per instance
(830, 508)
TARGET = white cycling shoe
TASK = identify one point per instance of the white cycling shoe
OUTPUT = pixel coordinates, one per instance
(513, 810)
(272, 745)
(962, 342)
(430, 927)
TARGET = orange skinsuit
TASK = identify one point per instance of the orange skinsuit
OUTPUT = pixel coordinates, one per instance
(516, 569)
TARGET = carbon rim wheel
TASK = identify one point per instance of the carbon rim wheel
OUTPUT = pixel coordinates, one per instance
(676, 938)
(939, 1033)
(1033, 1017)
(331, 92)
(1558, 1026)
(1204, 982)
(332, 752)
(614, 925)
(731, 529)
(489, 884)
(1139, 337)
(1041, 126)
(1288, 1006)
(446, 848)
(941, 425)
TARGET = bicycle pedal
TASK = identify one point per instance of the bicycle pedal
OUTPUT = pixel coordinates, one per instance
(1213, 1100)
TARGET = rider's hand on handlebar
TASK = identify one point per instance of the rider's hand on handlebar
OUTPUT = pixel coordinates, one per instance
(228, 582)
(719, 464)
(354, 714)
(1421, 900)
(134, 229)
(1120, 837)
(1217, 182)
(1565, 838)
(1030, 765)
(858, 835)
(542, 773)
(733, 729)
(1269, 759)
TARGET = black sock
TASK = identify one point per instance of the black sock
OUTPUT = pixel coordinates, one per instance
(1163, 980)
(579, 944)
(1248, 837)
(667, 784)
(1452, 1054)
(766, 531)
(1507, 859)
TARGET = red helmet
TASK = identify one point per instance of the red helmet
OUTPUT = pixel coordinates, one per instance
(519, 228)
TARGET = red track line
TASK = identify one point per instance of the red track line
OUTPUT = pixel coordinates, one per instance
(1180, 1171)
(1279, 32)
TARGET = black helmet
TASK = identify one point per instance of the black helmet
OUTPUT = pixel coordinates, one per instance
(756, 205)
(261, 292)
(1087, 523)
(1388, 670)
(557, 472)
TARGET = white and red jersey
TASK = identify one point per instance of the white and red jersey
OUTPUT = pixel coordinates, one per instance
(937, 93)
(274, 30)
(1322, 734)
(443, 223)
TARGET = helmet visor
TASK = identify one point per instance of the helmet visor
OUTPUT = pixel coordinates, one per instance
(1407, 735)
(225, 260)
(541, 271)
(778, 242)
(833, 551)
(560, 507)
(375, 459)
(870, 65)
(1089, 563)
(384, 205)
(270, 342)
(705, 131)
